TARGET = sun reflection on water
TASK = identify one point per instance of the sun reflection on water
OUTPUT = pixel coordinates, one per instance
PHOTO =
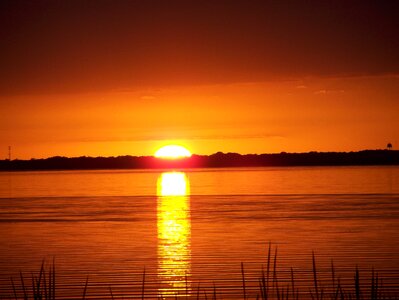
(174, 234)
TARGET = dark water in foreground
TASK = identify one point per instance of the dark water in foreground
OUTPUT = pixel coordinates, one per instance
(197, 226)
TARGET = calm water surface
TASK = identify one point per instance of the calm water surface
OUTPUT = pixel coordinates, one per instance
(196, 227)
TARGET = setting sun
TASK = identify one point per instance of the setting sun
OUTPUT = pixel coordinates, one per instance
(172, 152)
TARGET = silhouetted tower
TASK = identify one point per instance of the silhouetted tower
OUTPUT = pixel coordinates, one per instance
(9, 153)
(389, 146)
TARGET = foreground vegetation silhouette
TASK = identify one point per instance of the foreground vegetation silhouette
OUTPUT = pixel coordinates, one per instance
(269, 286)
(217, 160)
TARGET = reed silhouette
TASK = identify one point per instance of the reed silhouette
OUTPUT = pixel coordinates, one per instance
(43, 286)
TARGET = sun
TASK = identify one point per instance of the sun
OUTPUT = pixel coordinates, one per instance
(172, 152)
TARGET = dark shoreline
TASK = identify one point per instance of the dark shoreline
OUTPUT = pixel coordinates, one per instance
(217, 160)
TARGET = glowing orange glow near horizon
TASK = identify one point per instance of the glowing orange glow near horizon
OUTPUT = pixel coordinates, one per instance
(326, 114)
(172, 152)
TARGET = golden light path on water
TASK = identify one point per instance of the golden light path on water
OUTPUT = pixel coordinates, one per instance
(174, 234)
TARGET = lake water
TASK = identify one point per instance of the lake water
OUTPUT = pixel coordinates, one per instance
(184, 230)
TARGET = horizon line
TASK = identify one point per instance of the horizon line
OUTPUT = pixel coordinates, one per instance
(201, 155)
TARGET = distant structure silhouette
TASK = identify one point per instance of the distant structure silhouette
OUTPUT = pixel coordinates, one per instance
(389, 146)
(9, 153)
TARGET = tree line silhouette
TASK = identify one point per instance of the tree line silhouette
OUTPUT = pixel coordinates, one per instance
(217, 160)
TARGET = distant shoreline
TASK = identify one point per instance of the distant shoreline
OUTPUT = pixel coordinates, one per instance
(217, 160)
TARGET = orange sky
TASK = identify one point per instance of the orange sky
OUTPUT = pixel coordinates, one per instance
(124, 78)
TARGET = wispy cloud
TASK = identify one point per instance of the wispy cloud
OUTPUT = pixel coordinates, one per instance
(326, 91)
(148, 97)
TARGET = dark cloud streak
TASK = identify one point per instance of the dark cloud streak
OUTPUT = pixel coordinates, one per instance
(69, 46)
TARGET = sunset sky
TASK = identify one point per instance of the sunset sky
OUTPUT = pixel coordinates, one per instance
(108, 78)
